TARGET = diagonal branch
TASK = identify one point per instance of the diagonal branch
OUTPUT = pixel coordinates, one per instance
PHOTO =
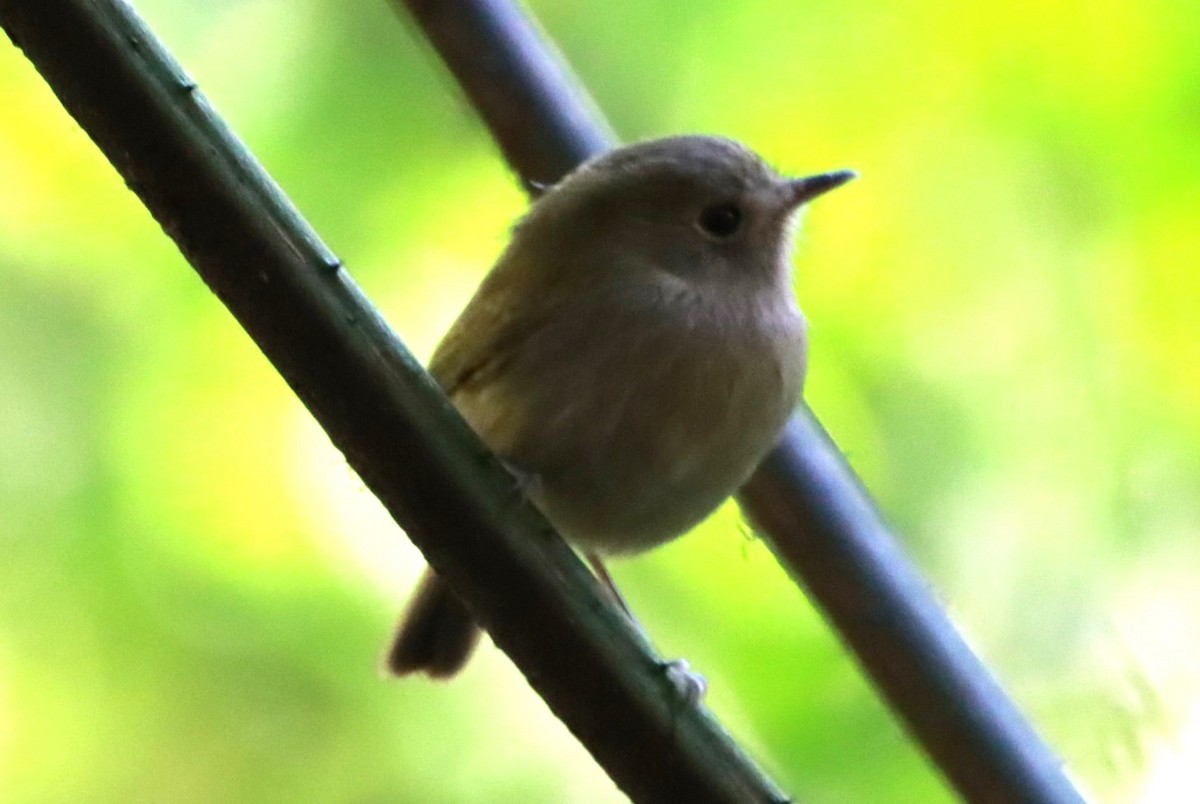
(811, 507)
(395, 427)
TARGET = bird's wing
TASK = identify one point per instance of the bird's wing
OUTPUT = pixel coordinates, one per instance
(503, 314)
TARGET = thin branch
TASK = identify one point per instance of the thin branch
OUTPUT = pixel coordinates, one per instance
(395, 427)
(807, 501)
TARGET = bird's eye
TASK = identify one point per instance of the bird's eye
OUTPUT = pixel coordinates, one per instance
(720, 221)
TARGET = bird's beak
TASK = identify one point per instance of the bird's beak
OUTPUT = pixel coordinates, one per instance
(801, 191)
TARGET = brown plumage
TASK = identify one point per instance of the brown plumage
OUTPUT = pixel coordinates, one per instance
(636, 350)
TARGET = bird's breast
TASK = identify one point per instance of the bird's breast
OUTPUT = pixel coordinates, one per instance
(638, 422)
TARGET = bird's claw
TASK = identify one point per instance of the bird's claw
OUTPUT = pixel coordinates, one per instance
(691, 685)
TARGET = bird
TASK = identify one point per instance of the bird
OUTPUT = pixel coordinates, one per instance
(632, 356)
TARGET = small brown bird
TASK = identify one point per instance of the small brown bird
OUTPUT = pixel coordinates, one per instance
(633, 354)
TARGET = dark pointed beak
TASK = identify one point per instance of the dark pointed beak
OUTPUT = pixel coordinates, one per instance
(801, 191)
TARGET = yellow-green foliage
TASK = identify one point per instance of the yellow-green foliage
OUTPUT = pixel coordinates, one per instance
(194, 588)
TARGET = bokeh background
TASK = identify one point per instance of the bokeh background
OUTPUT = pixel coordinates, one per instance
(194, 588)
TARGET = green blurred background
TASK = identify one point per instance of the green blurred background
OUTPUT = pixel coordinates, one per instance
(194, 588)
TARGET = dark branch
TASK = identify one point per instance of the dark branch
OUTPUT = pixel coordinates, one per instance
(812, 509)
(395, 427)
(541, 117)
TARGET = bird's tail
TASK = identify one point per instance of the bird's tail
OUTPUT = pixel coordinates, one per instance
(436, 635)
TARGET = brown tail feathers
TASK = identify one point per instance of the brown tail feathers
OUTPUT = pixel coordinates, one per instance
(436, 635)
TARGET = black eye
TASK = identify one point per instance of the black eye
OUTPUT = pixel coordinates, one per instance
(720, 220)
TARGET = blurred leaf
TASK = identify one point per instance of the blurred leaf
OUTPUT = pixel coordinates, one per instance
(194, 587)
